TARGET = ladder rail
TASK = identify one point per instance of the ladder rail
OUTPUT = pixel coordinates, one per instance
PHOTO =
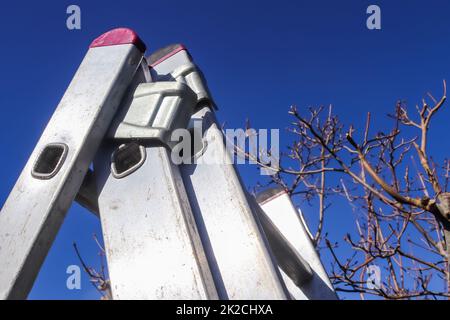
(279, 209)
(153, 249)
(244, 265)
(241, 263)
(37, 204)
(172, 230)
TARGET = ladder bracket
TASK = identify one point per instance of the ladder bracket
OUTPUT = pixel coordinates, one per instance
(156, 110)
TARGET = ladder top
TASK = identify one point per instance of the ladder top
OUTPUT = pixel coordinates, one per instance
(119, 36)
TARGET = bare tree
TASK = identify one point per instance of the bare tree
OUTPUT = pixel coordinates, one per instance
(98, 279)
(396, 189)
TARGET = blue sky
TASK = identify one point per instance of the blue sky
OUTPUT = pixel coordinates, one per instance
(259, 57)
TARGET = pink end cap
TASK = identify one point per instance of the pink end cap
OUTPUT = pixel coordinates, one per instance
(118, 36)
(177, 49)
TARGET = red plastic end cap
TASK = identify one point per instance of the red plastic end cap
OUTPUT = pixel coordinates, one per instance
(165, 53)
(118, 36)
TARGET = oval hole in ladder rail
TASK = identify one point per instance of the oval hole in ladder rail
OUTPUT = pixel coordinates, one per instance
(50, 161)
(127, 159)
